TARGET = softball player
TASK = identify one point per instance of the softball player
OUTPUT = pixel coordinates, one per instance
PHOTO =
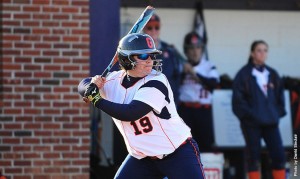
(200, 77)
(140, 101)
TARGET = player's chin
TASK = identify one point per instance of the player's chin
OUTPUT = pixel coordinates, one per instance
(147, 70)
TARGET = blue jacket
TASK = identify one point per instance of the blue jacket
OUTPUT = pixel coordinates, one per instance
(249, 103)
(172, 61)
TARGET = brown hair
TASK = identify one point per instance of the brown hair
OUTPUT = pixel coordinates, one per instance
(253, 46)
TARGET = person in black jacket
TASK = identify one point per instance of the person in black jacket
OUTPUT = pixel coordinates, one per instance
(258, 102)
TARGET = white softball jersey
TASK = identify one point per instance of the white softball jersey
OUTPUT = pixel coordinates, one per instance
(149, 135)
(192, 91)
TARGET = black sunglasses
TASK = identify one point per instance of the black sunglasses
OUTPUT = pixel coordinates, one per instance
(146, 56)
(152, 27)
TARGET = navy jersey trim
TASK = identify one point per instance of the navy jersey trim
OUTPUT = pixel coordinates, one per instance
(158, 85)
(162, 88)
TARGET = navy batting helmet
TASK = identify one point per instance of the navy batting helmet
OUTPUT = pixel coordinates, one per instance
(135, 44)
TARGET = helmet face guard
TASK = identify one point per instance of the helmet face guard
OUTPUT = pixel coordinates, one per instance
(157, 63)
(136, 44)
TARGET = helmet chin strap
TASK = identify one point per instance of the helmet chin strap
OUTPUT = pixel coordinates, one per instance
(133, 64)
(158, 66)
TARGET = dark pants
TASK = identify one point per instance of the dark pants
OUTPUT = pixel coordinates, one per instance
(199, 119)
(272, 138)
(183, 163)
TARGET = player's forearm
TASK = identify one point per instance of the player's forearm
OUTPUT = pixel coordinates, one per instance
(124, 112)
(210, 83)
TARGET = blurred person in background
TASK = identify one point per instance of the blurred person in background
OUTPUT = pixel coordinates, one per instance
(171, 59)
(258, 102)
(199, 79)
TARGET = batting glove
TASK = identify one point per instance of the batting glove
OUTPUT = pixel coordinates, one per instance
(92, 93)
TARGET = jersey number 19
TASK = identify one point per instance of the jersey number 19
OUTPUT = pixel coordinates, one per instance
(145, 125)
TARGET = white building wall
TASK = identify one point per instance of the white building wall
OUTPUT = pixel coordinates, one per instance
(230, 34)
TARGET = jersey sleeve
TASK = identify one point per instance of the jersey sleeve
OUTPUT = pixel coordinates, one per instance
(208, 70)
(214, 74)
(155, 94)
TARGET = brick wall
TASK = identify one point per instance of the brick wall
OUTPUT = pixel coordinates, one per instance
(44, 126)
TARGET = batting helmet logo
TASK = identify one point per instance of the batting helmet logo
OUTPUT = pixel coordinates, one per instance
(149, 42)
